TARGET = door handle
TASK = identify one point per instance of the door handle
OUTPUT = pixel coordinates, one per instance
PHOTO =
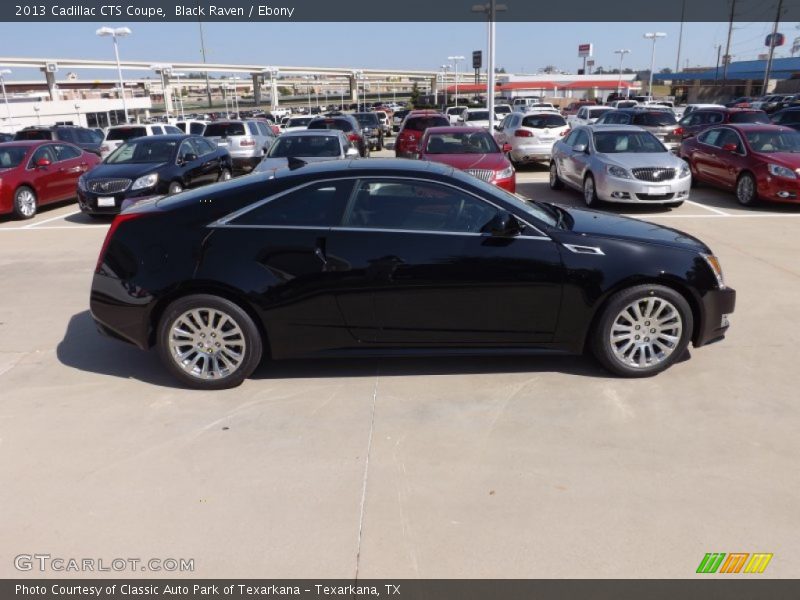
(319, 252)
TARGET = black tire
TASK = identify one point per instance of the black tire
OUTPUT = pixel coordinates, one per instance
(379, 147)
(25, 202)
(250, 335)
(591, 200)
(175, 187)
(747, 190)
(555, 180)
(604, 349)
(224, 175)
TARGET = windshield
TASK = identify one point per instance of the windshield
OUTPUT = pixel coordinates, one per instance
(596, 112)
(340, 124)
(299, 122)
(773, 141)
(33, 134)
(125, 133)
(143, 151)
(368, 119)
(613, 142)
(750, 117)
(461, 143)
(12, 156)
(224, 129)
(544, 121)
(306, 145)
(502, 110)
(478, 115)
(654, 119)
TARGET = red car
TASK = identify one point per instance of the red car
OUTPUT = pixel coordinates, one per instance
(414, 125)
(470, 149)
(34, 173)
(758, 162)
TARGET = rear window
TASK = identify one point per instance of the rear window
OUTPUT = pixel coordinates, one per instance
(366, 118)
(34, 134)
(340, 124)
(125, 133)
(422, 123)
(750, 117)
(544, 121)
(654, 119)
(224, 129)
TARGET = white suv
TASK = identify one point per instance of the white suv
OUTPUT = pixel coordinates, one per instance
(119, 134)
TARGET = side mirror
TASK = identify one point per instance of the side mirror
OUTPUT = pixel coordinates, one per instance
(43, 162)
(581, 148)
(352, 152)
(729, 147)
(506, 148)
(503, 224)
(460, 119)
(498, 127)
(189, 157)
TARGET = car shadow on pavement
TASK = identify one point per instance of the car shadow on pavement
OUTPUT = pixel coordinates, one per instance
(84, 219)
(84, 348)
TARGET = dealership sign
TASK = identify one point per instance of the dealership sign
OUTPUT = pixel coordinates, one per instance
(585, 50)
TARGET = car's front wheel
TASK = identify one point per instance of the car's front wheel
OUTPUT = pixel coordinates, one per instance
(590, 192)
(208, 342)
(746, 190)
(555, 180)
(642, 330)
(224, 175)
(175, 188)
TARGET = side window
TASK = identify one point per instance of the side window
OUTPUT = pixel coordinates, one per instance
(45, 152)
(623, 119)
(157, 130)
(263, 129)
(196, 128)
(65, 135)
(64, 152)
(728, 136)
(251, 127)
(318, 205)
(581, 138)
(570, 139)
(417, 206)
(715, 118)
(710, 137)
(186, 149)
(203, 146)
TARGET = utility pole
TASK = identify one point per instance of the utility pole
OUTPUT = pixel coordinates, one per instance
(716, 72)
(203, 52)
(680, 37)
(726, 59)
(772, 47)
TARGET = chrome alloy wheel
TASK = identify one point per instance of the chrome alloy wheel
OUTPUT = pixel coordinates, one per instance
(745, 190)
(646, 332)
(207, 343)
(26, 202)
(588, 191)
(553, 174)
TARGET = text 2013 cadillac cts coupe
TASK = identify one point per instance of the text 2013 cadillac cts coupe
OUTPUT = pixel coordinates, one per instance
(396, 257)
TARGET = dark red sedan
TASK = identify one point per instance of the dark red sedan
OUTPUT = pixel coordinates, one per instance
(758, 162)
(470, 149)
(35, 173)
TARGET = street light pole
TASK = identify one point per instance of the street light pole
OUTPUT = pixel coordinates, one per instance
(115, 33)
(445, 69)
(179, 95)
(622, 54)
(3, 73)
(654, 37)
(491, 9)
(455, 60)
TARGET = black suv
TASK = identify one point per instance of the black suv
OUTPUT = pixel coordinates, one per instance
(86, 139)
(371, 127)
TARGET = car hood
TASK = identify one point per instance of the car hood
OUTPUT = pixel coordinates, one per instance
(600, 224)
(129, 171)
(273, 164)
(633, 160)
(494, 161)
(784, 159)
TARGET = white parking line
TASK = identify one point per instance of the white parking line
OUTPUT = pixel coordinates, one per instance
(33, 225)
(722, 216)
(711, 208)
(28, 228)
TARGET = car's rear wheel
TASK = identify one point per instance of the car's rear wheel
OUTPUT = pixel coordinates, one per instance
(555, 180)
(590, 192)
(25, 203)
(746, 190)
(224, 175)
(642, 331)
(208, 342)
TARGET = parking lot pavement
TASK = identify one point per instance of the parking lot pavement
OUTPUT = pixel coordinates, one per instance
(500, 467)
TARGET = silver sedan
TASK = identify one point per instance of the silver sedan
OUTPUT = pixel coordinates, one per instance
(619, 163)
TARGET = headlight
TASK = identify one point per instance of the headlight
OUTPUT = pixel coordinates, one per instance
(713, 262)
(685, 171)
(145, 181)
(780, 171)
(505, 173)
(616, 171)
(82, 183)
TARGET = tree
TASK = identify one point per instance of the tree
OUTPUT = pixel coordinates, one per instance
(666, 70)
(549, 69)
(500, 70)
(414, 98)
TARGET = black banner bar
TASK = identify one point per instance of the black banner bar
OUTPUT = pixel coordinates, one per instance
(407, 10)
(714, 587)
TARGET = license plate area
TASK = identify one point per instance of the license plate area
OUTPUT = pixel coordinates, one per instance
(105, 201)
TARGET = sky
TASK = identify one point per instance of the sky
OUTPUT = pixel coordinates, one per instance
(521, 47)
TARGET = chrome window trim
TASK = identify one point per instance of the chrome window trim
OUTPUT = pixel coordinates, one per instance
(226, 220)
(579, 249)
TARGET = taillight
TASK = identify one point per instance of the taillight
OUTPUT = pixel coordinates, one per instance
(247, 142)
(522, 133)
(564, 132)
(118, 220)
(678, 131)
(353, 137)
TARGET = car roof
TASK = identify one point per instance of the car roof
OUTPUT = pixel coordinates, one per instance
(316, 132)
(613, 127)
(744, 127)
(32, 143)
(455, 129)
(392, 166)
(166, 137)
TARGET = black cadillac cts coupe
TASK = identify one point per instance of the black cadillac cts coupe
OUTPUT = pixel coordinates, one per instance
(395, 257)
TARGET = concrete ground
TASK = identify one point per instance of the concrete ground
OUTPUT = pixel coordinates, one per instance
(501, 467)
